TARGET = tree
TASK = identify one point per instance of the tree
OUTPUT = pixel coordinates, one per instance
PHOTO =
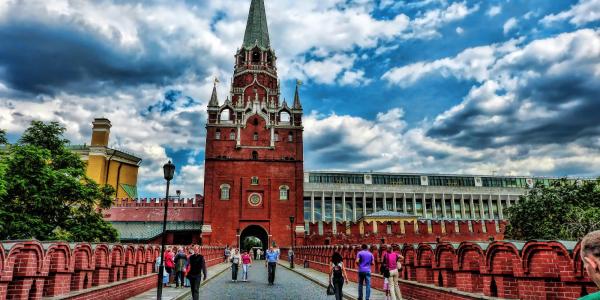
(47, 194)
(564, 210)
(3, 139)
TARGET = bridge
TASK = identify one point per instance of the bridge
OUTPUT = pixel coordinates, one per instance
(467, 270)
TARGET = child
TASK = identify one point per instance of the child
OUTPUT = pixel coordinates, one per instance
(386, 287)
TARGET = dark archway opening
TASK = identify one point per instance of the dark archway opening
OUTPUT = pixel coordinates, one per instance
(493, 288)
(254, 237)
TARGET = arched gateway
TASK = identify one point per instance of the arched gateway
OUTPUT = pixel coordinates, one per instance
(254, 236)
(254, 171)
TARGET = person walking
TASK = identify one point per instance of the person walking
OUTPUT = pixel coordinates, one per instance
(246, 263)
(165, 275)
(236, 261)
(364, 259)
(181, 262)
(590, 254)
(337, 275)
(197, 269)
(169, 264)
(271, 258)
(226, 254)
(393, 261)
(291, 258)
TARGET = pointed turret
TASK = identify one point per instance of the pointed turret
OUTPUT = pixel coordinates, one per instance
(297, 104)
(257, 32)
(214, 101)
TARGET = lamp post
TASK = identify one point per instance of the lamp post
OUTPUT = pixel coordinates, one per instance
(178, 192)
(169, 171)
(292, 241)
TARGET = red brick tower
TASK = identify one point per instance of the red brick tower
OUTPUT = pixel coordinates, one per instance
(253, 179)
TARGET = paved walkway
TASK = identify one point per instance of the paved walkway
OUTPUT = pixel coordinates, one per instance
(350, 289)
(173, 293)
(288, 285)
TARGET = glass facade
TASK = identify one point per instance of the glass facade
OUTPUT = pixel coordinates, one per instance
(307, 209)
(369, 202)
(451, 181)
(328, 210)
(336, 178)
(318, 209)
(396, 179)
(339, 209)
(503, 182)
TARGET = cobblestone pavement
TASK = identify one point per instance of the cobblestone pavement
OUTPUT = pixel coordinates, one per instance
(288, 285)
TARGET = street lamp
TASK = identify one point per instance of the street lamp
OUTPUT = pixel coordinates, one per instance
(169, 171)
(292, 241)
(178, 192)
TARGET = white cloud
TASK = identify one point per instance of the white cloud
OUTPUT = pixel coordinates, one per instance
(494, 10)
(585, 11)
(509, 25)
(459, 30)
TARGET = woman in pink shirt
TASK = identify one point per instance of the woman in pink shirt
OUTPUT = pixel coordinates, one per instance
(393, 260)
(246, 262)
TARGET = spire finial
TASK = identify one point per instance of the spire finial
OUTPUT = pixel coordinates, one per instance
(257, 32)
(297, 104)
(214, 101)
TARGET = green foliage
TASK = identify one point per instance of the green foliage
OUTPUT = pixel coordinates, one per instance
(564, 210)
(45, 193)
(3, 139)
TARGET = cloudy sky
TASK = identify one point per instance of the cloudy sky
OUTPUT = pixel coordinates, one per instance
(475, 87)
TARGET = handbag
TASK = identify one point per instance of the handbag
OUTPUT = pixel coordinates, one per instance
(330, 290)
(383, 268)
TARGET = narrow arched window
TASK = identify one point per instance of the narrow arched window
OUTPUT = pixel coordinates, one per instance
(218, 134)
(232, 135)
(284, 117)
(290, 137)
(254, 180)
(255, 57)
(255, 122)
(284, 191)
(225, 191)
(254, 155)
(255, 136)
(225, 115)
(276, 137)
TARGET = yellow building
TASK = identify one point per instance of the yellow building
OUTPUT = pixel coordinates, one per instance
(109, 166)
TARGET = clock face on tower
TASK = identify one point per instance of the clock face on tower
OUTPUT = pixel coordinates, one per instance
(254, 199)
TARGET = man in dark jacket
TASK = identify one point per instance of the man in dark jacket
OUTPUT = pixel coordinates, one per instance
(180, 265)
(197, 268)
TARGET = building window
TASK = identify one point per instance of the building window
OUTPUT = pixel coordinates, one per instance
(255, 121)
(255, 136)
(284, 191)
(254, 155)
(225, 191)
(276, 137)
(290, 137)
(232, 135)
(254, 180)
(284, 117)
(218, 134)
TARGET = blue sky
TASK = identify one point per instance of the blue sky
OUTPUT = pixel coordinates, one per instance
(475, 87)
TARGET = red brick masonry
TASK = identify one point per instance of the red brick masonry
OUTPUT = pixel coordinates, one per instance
(33, 269)
(474, 270)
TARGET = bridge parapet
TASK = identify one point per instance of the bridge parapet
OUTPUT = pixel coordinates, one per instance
(470, 270)
(31, 269)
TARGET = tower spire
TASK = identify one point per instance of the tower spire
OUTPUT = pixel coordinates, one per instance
(297, 104)
(257, 32)
(214, 101)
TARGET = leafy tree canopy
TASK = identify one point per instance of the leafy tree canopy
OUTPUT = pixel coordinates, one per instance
(3, 139)
(45, 194)
(563, 210)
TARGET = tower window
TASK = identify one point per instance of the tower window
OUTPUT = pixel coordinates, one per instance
(255, 56)
(225, 191)
(276, 137)
(254, 180)
(218, 134)
(254, 155)
(284, 192)
(232, 135)
(255, 136)
(284, 117)
(225, 115)
(290, 137)
(255, 122)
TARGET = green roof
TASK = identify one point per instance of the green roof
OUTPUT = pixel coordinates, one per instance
(131, 190)
(150, 230)
(257, 32)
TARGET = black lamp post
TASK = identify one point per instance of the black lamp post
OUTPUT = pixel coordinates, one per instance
(178, 192)
(169, 171)
(292, 240)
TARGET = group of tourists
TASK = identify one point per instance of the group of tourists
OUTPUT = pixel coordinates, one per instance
(391, 264)
(185, 269)
(244, 261)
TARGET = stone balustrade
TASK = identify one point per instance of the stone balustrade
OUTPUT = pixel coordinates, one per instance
(32, 269)
(473, 270)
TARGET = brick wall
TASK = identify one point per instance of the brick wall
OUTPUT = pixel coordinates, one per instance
(152, 210)
(33, 269)
(473, 270)
(419, 232)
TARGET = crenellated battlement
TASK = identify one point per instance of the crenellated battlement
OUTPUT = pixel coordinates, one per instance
(32, 269)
